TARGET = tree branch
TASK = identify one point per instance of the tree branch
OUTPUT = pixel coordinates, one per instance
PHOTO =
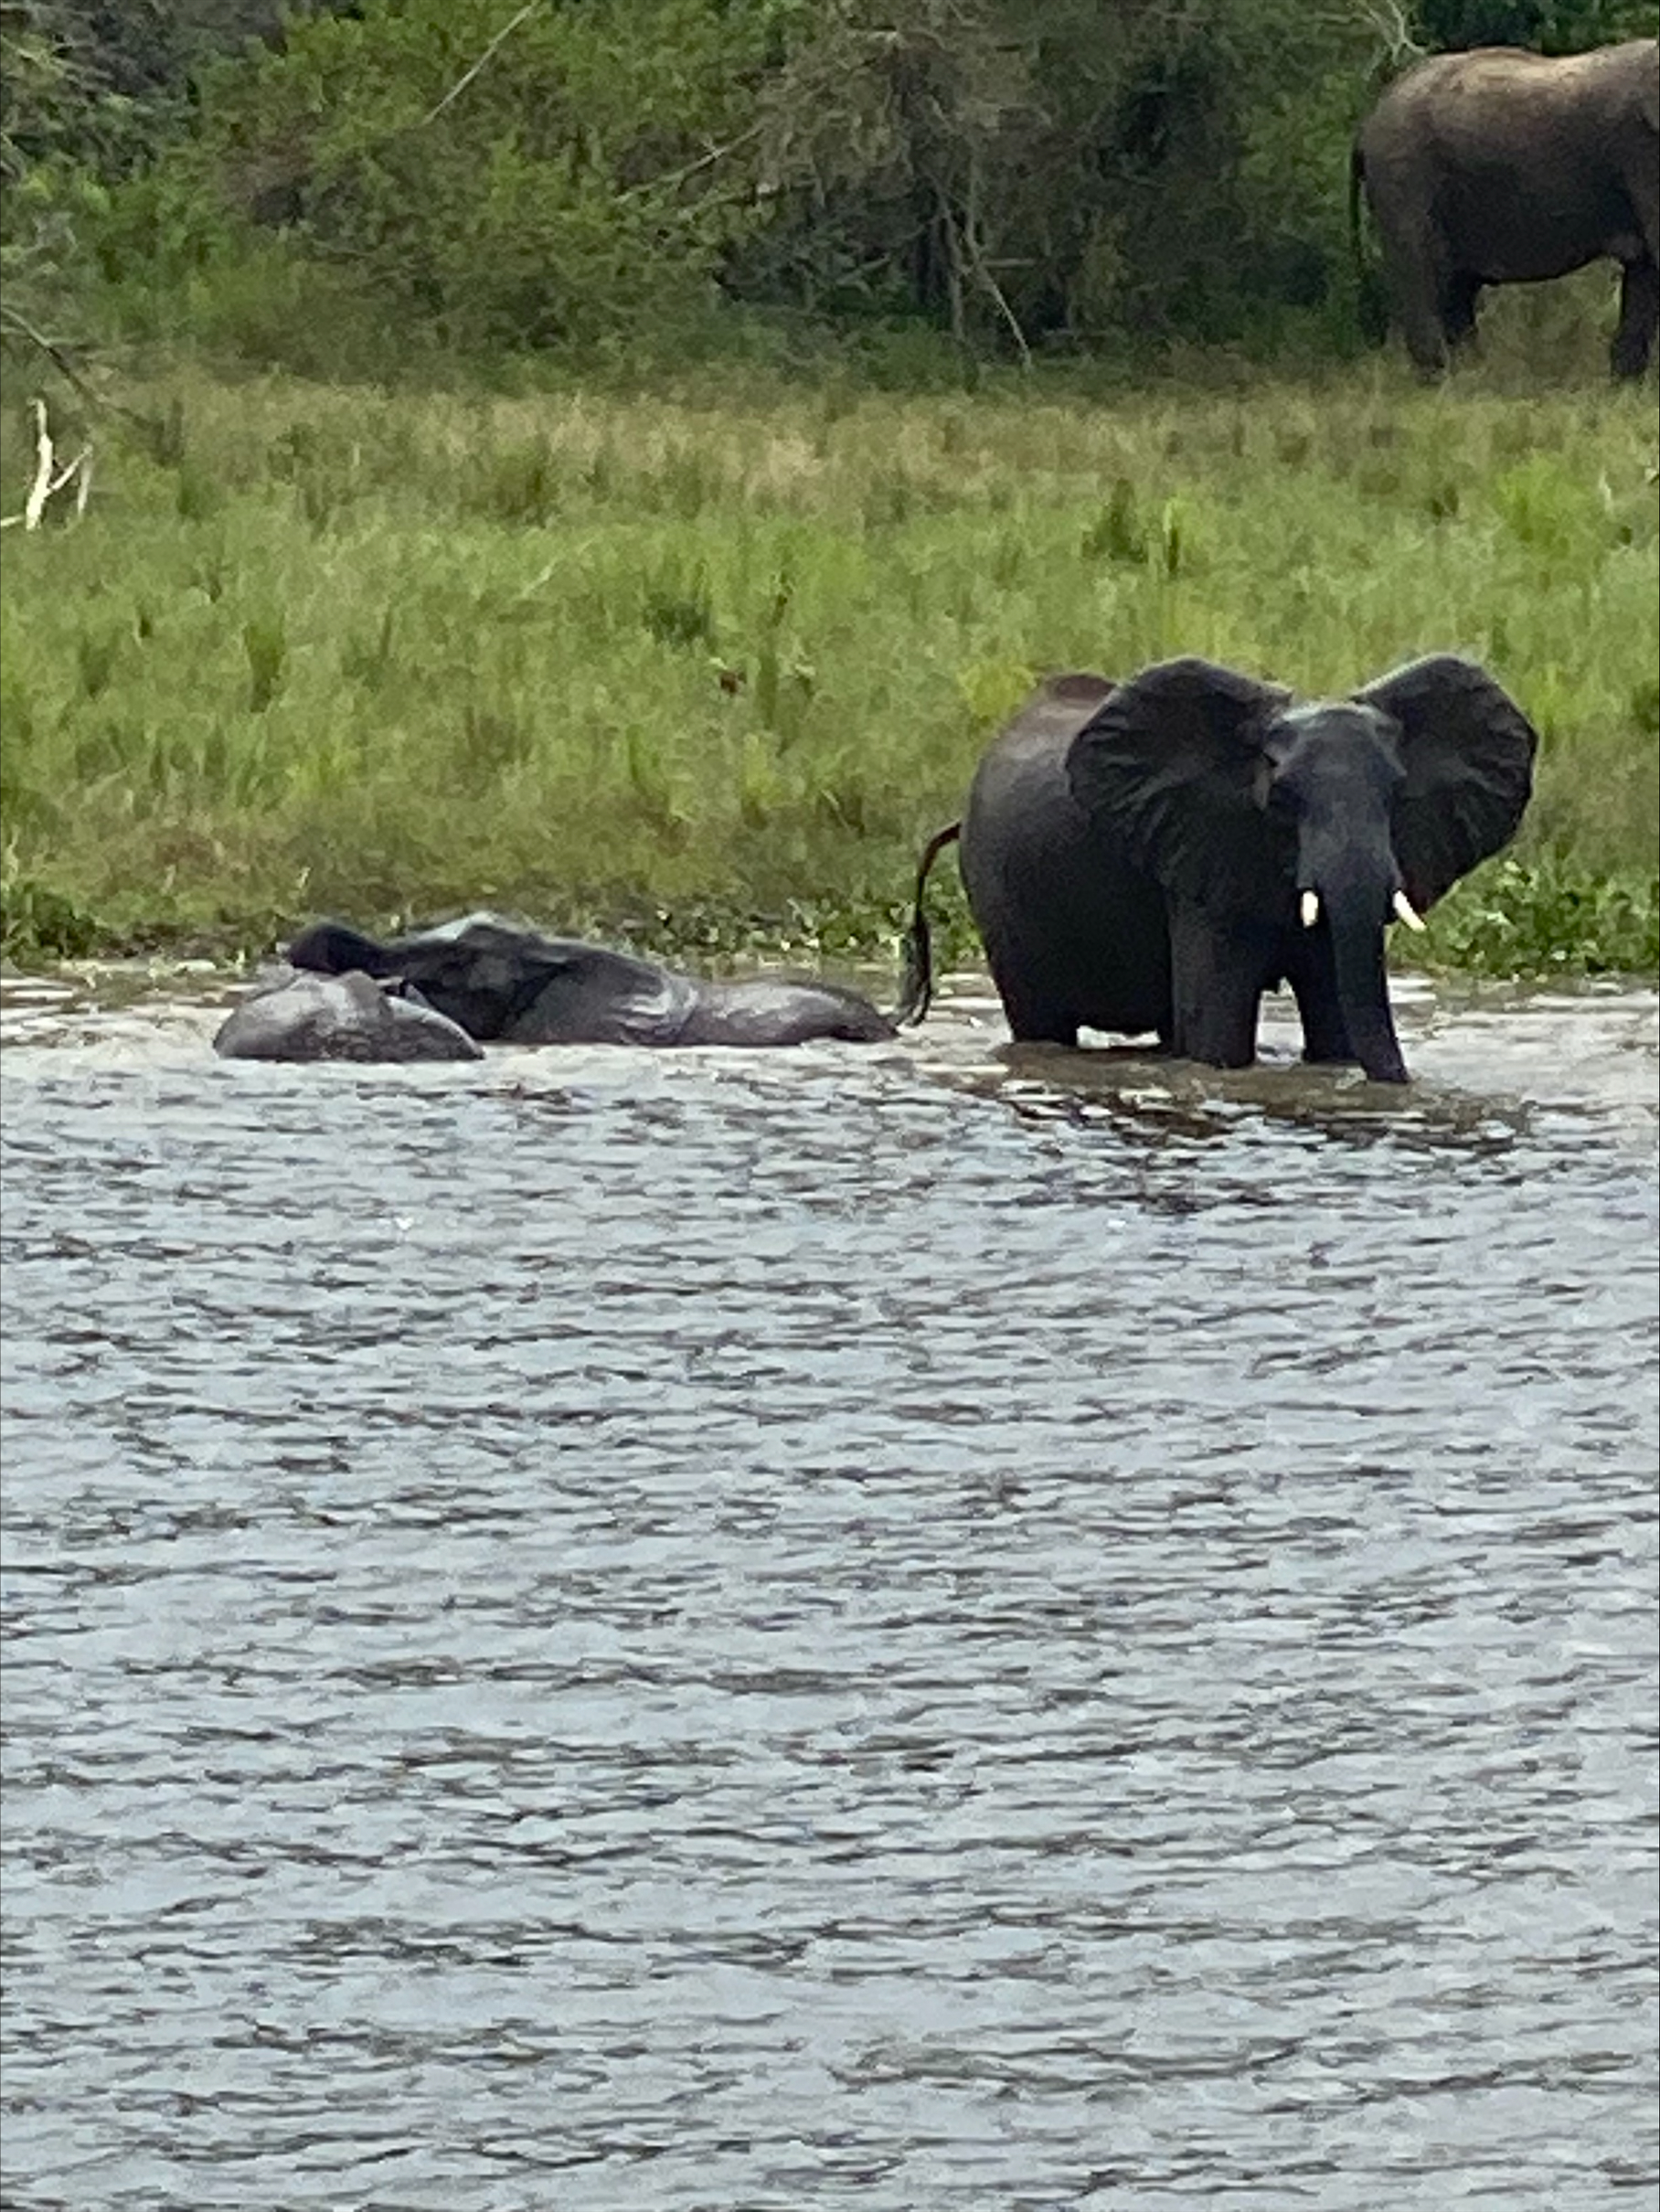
(11, 320)
(463, 81)
(703, 161)
(50, 477)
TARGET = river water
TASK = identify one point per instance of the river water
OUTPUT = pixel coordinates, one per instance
(901, 1628)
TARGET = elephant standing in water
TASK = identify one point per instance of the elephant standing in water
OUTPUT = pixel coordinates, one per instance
(503, 984)
(1154, 855)
(340, 1017)
(1500, 167)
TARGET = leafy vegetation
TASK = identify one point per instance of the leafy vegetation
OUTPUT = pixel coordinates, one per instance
(628, 178)
(706, 669)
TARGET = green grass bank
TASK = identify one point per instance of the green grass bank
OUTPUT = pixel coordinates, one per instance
(702, 671)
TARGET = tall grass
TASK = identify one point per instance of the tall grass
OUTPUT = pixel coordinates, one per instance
(701, 665)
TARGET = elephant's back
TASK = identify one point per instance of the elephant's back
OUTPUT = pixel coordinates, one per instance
(1453, 102)
(1514, 159)
(1479, 71)
(1023, 770)
(762, 1013)
(591, 995)
(1020, 803)
(1447, 106)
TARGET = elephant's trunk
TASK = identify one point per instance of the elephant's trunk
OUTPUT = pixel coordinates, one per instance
(1363, 988)
(1348, 878)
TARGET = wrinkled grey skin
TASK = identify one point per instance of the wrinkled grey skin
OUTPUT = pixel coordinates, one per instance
(507, 984)
(340, 1017)
(1136, 856)
(1497, 166)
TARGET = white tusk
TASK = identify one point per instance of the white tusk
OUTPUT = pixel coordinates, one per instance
(1310, 908)
(1403, 908)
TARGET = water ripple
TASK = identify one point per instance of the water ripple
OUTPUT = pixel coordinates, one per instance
(895, 1628)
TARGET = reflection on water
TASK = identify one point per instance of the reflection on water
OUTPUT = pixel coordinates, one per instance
(905, 1626)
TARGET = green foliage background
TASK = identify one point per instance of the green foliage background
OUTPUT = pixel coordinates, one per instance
(350, 186)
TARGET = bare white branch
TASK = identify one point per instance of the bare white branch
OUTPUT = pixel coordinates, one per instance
(40, 490)
(50, 477)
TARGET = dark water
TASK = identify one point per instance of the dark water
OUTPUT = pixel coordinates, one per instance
(870, 1628)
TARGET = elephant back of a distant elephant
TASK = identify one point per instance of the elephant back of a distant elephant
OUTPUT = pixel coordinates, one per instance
(579, 993)
(761, 1012)
(1523, 166)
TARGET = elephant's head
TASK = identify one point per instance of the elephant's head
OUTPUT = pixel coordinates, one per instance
(334, 948)
(1267, 817)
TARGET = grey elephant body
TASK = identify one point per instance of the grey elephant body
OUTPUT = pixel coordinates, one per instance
(1152, 857)
(348, 1017)
(507, 984)
(1501, 166)
(1075, 936)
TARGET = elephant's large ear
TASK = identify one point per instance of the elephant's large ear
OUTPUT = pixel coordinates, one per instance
(1467, 748)
(1174, 765)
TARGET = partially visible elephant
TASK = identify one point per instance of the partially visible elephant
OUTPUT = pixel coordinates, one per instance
(507, 984)
(1501, 166)
(340, 1017)
(1156, 859)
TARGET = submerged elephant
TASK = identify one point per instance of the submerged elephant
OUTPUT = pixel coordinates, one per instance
(1500, 167)
(1154, 855)
(340, 1017)
(504, 983)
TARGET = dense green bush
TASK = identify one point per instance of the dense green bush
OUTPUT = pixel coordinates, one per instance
(1554, 26)
(552, 192)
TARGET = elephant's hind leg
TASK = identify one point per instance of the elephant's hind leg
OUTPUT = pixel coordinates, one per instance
(1416, 266)
(1459, 294)
(1639, 314)
(1035, 1017)
(1037, 1021)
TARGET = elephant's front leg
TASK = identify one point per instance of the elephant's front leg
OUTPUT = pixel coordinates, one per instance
(1312, 974)
(1639, 314)
(1218, 969)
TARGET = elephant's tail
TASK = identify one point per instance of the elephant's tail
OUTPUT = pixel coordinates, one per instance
(916, 984)
(1371, 309)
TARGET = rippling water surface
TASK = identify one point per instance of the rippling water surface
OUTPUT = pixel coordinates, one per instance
(899, 1627)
